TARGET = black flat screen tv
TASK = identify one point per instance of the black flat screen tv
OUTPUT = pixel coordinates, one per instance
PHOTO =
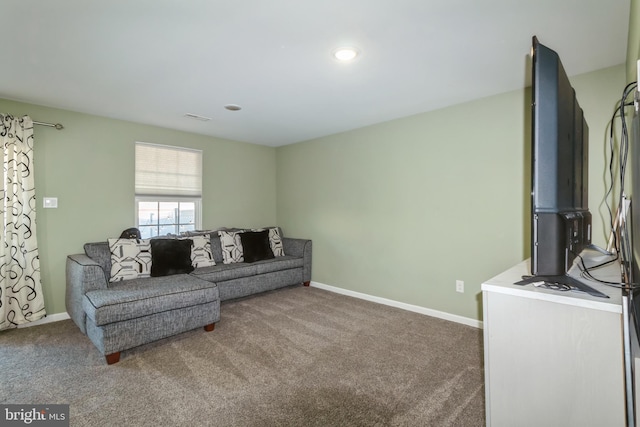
(560, 217)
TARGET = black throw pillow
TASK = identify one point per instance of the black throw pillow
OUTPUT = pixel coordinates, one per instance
(255, 246)
(170, 256)
(130, 233)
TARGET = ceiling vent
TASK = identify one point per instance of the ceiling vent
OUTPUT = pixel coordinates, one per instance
(197, 117)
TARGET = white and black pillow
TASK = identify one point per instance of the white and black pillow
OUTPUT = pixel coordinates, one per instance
(201, 255)
(130, 259)
(275, 240)
(231, 246)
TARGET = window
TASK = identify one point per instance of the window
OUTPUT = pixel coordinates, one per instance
(159, 217)
(168, 189)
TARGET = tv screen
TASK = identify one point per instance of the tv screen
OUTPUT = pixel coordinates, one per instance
(560, 217)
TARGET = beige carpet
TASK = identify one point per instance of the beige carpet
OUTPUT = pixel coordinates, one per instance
(293, 357)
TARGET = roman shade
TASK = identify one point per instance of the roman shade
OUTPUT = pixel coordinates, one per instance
(163, 170)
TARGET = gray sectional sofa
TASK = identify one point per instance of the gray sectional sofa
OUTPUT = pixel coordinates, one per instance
(119, 315)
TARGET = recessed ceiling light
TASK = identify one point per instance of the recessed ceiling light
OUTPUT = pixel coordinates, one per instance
(233, 107)
(345, 53)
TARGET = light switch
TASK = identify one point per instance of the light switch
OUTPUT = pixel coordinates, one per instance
(50, 202)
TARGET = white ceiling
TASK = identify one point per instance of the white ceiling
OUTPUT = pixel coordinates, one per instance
(153, 61)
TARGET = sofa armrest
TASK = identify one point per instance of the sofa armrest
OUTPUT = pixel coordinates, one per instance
(83, 275)
(300, 248)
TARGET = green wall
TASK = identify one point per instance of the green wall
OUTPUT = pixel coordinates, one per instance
(89, 167)
(403, 209)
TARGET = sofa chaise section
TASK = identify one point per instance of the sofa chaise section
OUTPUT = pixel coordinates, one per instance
(132, 313)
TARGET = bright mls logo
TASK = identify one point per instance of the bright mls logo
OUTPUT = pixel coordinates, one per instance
(34, 415)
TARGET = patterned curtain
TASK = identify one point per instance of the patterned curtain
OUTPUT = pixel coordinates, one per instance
(21, 298)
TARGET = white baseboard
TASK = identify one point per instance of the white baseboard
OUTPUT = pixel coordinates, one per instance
(409, 307)
(49, 318)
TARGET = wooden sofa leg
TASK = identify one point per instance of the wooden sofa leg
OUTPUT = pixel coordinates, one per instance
(306, 283)
(209, 327)
(113, 358)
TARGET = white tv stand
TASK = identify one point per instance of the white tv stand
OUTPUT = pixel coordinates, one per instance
(553, 358)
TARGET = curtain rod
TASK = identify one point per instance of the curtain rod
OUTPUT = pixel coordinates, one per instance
(58, 126)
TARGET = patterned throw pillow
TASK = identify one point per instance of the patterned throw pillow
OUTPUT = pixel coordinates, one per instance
(275, 240)
(231, 246)
(130, 259)
(201, 255)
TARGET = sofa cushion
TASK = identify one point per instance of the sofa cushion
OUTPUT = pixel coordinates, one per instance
(255, 246)
(284, 262)
(171, 256)
(130, 259)
(142, 297)
(223, 272)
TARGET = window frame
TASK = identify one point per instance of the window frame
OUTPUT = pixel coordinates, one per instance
(197, 220)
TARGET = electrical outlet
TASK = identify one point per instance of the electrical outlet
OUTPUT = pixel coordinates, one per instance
(459, 286)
